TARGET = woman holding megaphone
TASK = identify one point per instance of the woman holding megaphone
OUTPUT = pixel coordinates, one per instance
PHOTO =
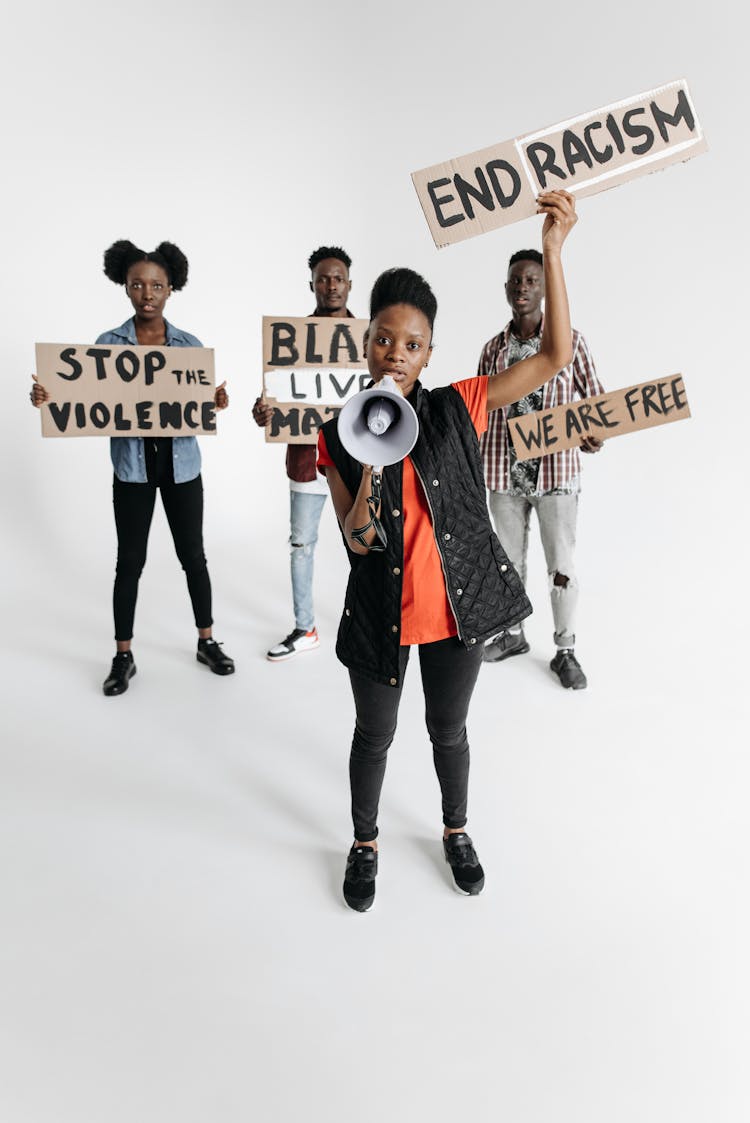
(426, 565)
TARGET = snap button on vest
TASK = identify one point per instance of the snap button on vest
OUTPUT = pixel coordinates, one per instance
(447, 537)
(434, 483)
(396, 570)
(393, 681)
(395, 513)
(459, 592)
(394, 627)
(503, 568)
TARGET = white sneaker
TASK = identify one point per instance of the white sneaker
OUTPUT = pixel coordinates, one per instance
(295, 643)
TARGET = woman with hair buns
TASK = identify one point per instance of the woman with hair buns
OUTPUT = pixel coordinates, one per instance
(142, 466)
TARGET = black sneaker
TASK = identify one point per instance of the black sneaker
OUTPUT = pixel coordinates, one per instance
(568, 670)
(505, 645)
(210, 653)
(122, 670)
(359, 879)
(465, 866)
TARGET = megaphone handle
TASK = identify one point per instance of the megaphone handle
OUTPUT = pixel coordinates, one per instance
(373, 504)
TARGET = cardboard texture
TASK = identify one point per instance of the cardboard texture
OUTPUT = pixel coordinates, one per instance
(104, 390)
(495, 186)
(311, 366)
(642, 406)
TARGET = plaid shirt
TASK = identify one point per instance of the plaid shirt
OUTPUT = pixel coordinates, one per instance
(558, 471)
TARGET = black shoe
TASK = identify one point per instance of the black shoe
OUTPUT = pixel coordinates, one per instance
(359, 880)
(210, 653)
(465, 866)
(568, 669)
(505, 645)
(122, 670)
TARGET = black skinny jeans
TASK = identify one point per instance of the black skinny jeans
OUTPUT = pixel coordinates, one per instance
(449, 673)
(134, 508)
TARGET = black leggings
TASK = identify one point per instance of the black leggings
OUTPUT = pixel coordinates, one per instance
(134, 508)
(449, 673)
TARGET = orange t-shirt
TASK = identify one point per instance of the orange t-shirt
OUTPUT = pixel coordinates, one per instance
(426, 614)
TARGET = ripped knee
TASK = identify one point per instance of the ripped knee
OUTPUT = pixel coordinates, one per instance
(560, 580)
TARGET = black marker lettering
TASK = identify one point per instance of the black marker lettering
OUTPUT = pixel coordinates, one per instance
(633, 391)
(638, 130)
(60, 414)
(341, 390)
(282, 339)
(121, 422)
(310, 355)
(311, 421)
(547, 164)
(575, 151)
(127, 365)
(100, 415)
(572, 423)
(504, 199)
(438, 203)
(615, 133)
(66, 356)
(288, 421)
(170, 415)
(682, 113)
(208, 417)
(467, 192)
(99, 354)
(342, 337)
(603, 156)
(153, 362)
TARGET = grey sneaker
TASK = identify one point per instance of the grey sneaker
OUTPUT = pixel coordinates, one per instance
(505, 645)
(568, 669)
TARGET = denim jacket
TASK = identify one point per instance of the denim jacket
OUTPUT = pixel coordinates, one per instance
(128, 457)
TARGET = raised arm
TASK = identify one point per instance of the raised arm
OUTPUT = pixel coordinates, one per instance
(556, 348)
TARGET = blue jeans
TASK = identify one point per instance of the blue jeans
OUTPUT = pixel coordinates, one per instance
(557, 527)
(304, 517)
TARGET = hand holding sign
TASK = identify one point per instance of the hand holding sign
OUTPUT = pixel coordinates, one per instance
(559, 210)
(221, 398)
(37, 393)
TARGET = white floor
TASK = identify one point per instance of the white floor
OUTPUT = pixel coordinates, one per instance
(175, 944)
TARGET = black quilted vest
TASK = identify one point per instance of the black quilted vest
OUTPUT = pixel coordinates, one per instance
(484, 591)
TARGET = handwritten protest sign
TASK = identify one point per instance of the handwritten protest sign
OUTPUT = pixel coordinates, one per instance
(607, 415)
(311, 366)
(115, 391)
(495, 186)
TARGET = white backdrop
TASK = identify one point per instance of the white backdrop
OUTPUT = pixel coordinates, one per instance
(175, 944)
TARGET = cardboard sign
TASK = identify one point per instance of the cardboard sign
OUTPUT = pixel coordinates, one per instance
(106, 390)
(496, 186)
(606, 415)
(311, 366)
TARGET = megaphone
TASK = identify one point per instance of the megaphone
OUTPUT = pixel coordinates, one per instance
(378, 425)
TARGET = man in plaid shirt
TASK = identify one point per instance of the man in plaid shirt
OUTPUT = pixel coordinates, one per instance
(549, 484)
